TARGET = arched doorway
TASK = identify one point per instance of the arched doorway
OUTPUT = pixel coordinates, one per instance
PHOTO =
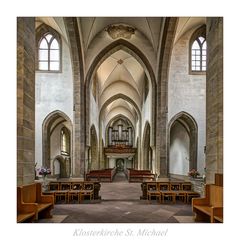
(61, 167)
(120, 164)
(57, 139)
(182, 144)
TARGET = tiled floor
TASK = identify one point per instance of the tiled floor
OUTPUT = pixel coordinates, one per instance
(121, 204)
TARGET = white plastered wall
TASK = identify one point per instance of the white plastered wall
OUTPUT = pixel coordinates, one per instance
(54, 91)
(187, 92)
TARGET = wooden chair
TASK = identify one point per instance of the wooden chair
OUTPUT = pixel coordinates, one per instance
(87, 191)
(186, 186)
(62, 193)
(153, 191)
(176, 188)
(74, 192)
(164, 188)
(53, 186)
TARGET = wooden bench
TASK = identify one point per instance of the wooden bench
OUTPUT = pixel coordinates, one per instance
(134, 175)
(31, 204)
(209, 208)
(101, 175)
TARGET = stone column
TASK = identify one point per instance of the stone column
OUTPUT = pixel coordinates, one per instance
(214, 98)
(79, 143)
(162, 95)
(25, 100)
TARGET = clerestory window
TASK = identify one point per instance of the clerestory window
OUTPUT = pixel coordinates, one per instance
(198, 52)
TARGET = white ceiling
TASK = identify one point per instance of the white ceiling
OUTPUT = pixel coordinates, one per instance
(120, 73)
(149, 26)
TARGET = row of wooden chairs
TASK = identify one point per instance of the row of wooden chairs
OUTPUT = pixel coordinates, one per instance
(67, 191)
(70, 186)
(170, 191)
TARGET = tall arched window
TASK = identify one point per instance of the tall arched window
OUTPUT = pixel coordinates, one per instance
(198, 51)
(65, 141)
(48, 49)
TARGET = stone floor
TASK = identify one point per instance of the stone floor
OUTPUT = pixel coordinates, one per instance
(121, 204)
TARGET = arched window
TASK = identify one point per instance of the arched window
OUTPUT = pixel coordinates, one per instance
(65, 141)
(198, 51)
(48, 49)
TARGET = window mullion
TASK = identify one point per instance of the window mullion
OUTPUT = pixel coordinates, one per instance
(48, 57)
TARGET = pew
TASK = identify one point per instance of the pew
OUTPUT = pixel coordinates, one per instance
(31, 204)
(134, 175)
(101, 175)
(209, 208)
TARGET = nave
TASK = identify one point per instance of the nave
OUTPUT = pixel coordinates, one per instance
(99, 95)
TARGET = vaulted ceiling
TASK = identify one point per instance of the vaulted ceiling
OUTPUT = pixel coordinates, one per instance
(149, 27)
(121, 76)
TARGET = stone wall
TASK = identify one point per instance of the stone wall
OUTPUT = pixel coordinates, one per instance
(25, 100)
(214, 108)
(187, 92)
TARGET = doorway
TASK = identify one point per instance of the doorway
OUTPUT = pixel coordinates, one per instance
(120, 165)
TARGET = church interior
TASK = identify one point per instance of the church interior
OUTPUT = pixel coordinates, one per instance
(119, 119)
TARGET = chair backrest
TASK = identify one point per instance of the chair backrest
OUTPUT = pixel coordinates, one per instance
(186, 186)
(77, 185)
(53, 186)
(163, 186)
(175, 186)
(88, 185)
(152, 186)
(65, 186)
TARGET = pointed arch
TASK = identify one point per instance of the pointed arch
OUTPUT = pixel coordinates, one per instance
(48, 49)
(124, 97)
(104, 54)
(198, 51)
(48, 125)
(116, 118)
(190, 125)
(60, 169)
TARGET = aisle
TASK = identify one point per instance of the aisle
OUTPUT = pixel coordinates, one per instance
(120, 189)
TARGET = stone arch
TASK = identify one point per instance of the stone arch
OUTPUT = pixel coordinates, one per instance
(147, 154)
(94, 163)
(124, 97)
(47, 128)
(106, 52)
(116, 118)
(190, 125)
(63, 167)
